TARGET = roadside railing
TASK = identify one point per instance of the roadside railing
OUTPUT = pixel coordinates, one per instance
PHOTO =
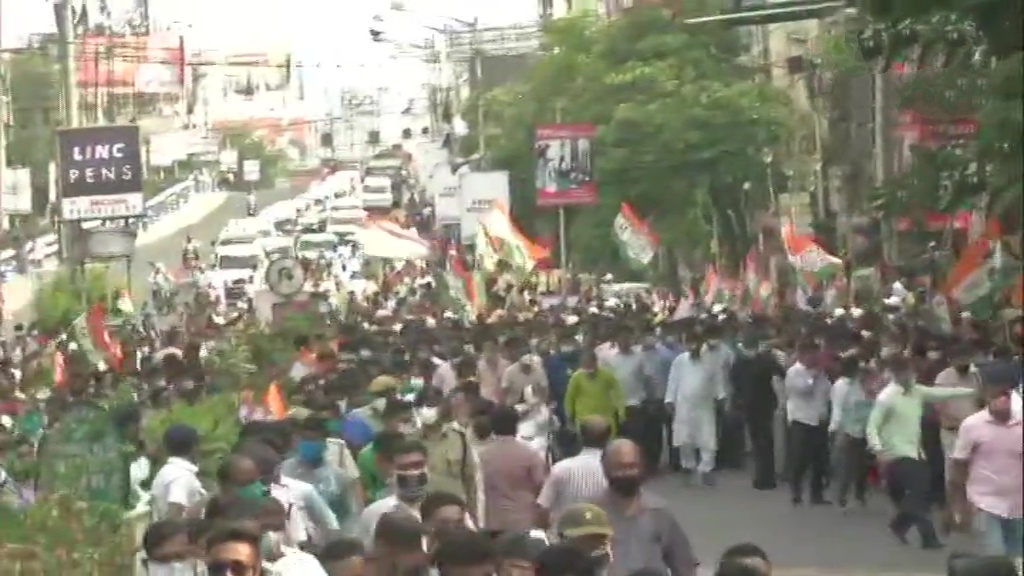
(167, 202)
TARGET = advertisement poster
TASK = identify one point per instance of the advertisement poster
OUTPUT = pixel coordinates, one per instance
(153, 64)
(565, 165)
(16, 185)
(100, 172)
(478, 191)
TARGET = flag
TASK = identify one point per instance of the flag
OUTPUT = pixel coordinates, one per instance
(471, 282)
(710, 286)
(812, 263)
(685, 307)
(486, 255)
(983, 271)
(636, 239)
(509, 242)
(104, 342)
(81, 334)
(60, 375)
(758, 290)
(275, 402)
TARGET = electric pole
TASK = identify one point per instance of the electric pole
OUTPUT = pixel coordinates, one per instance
(479, 73)
(66, 37)
(4, 117)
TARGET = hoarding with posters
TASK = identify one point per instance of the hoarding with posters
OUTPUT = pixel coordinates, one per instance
(478, 192)
(152, 64)
(100, 172)
(564, 169)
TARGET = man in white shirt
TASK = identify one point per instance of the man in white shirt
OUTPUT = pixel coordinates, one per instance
(176, 489)
(807, 403)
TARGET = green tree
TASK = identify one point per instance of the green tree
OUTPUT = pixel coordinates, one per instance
(992, 93)
(35, 115)
(681, 128)
(59, 301)
(250, 146)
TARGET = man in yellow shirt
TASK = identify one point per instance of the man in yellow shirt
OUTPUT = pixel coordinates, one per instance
(594, 391)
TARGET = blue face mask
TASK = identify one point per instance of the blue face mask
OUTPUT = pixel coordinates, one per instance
(311, 451)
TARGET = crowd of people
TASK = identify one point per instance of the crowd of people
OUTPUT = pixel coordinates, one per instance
(522, 445)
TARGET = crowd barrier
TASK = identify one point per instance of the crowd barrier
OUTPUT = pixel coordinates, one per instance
(167, 202)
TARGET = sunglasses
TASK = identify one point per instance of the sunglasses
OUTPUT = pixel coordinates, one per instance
(229, 568)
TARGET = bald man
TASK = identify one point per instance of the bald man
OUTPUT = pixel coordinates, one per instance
(648, 536)
(577, 479)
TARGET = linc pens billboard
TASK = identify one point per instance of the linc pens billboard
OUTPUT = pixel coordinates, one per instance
(100, 172)
(564, 169)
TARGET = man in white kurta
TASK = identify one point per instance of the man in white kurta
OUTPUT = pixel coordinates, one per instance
(695, 386)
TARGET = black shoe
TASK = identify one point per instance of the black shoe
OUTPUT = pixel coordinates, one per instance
(842, 502)
(765, 486)
(820, 502)
(932, 545)
(900, 535)
(797, 500)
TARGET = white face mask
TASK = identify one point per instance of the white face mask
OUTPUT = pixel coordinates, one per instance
(428, 415)
(180, 568)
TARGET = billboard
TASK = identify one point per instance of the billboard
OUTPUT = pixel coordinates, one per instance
(100, 172)
(253, 73)
(152, 64)
(565, 164)
(16, 186)
(478, 191)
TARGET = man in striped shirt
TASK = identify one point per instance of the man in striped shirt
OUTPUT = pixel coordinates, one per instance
(580, 478)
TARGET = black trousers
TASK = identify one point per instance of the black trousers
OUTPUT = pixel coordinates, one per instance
(643, 425)
(732, 441)
(853, 460)
(909, 483)
(808, 448)
(761, 427)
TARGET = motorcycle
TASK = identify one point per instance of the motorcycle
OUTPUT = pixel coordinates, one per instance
(163, 300)
(189, 258)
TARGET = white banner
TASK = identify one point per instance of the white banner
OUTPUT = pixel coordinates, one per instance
(478, 191)
(103, 206)
(17, 191)
(251, 170)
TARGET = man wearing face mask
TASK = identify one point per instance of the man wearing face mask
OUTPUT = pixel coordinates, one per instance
(524, 377)
(409, 479)
(452, 463)
(695, 389)
(646, 533)
(330, 481)
(985, 471)
(755, 401)
(960, 374)
(894, 435)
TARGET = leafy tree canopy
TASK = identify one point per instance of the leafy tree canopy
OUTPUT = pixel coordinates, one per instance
(993, 94)
(35, 115)
(62, 299)
(681, 128)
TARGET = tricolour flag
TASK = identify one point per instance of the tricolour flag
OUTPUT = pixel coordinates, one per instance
(509, 242)
(983, 272)
(486, 256)
(638, 242)
(812, 263)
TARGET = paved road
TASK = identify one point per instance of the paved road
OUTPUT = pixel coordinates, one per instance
(168, 249)
(802, 541)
